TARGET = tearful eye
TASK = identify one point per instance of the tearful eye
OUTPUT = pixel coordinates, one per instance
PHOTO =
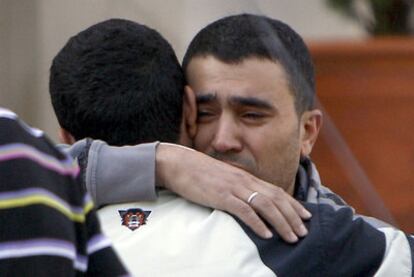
(254, 118)
(204, 116)
(204, 113)
(253, 115)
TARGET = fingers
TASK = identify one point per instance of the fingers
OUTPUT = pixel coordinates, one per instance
(304, 213)
(293, 217)
(248, 215)
(281, 216)
(278, 208)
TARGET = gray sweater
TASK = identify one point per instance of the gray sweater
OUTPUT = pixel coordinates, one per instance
(105, 167)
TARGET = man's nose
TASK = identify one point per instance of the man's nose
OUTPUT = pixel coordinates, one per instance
(228, 136)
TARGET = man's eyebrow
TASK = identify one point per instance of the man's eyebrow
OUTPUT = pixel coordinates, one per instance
(206, 98)
(252, 101)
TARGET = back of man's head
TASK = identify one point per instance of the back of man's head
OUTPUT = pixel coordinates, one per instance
(120, 82)
(235, 38)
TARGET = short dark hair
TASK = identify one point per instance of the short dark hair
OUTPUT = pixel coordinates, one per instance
(235, 38)
(118, 81)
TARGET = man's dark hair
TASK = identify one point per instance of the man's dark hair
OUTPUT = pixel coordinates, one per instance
(235, 38)
(118, 81)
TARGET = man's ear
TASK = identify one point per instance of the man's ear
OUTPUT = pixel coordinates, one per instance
(311, 122)
(66, 137)
(190, 111)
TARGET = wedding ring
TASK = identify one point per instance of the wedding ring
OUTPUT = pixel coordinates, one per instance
(253, 195)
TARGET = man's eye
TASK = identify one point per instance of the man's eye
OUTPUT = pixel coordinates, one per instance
(204, 114)
(253, 115)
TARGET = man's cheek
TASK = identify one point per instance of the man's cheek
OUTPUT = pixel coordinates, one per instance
(200, 142)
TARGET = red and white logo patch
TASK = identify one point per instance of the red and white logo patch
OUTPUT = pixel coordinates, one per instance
(134, 218)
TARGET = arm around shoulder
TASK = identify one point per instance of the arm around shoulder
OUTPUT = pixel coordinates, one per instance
(118, 174)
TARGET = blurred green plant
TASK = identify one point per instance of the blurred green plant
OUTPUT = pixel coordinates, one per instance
(379, 17)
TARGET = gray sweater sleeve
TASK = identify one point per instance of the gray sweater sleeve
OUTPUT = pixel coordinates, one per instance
(118, 174)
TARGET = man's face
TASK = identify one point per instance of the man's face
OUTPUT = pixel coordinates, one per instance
(247, 117)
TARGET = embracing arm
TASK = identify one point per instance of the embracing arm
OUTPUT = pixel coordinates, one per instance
(135, 171)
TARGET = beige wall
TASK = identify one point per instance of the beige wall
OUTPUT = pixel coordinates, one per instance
(33, 31)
